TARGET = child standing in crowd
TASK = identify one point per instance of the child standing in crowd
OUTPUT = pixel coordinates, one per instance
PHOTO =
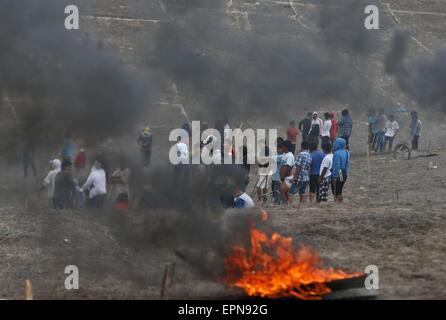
(392, 129)
(302, 174)
(325, 173)
(316, 160)
(340, 168)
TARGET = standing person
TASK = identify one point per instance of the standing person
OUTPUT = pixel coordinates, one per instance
(181, 169)
(316, 160)
(286, 172)
(291, 135)
(326, 129)
(67, 151)
(186, 127)
(392, 129)
(64, 187)
(345, 126)
(264, 173)
(334, 127)
(145, 140)
(182, 150)
(302, 174)
(29, 157)
(102, 159)
(96, 185)
(226, 128)
(373, 128)
(305, 126)
(315, 129)
(415, 130)
(120, 181)
(381, 130)
(80, 161)
(325, 173)
(340, 168)
(275, 179)
(50, 180)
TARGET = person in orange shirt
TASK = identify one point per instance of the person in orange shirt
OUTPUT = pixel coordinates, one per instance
(334, 127)
(291, 135)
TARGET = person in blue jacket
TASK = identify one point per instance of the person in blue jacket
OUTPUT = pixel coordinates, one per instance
(340, 169)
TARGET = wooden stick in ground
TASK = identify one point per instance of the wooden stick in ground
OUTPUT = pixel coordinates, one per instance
(28, 290)
(164, 283)
(369, 167)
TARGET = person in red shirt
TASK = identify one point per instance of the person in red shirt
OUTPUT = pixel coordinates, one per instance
(334, 127)
(291, 135)
(80, 161)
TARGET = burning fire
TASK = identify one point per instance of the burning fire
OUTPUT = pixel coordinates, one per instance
(273, 268)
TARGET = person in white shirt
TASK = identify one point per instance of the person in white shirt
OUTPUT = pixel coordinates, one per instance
(96, 185)
(326, 127)
(287, 164)
(242, 200)
(392, 128)
(50, 179)
(315, 129)
(182, 151)
(325, 173)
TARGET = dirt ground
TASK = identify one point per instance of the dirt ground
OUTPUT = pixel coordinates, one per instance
(397, 222)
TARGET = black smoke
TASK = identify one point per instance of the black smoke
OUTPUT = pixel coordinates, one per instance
(63, 81)
(274, 67)
(421, 77)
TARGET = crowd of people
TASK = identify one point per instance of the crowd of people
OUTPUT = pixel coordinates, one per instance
(311, 173)
(383, 130)
(319, 166)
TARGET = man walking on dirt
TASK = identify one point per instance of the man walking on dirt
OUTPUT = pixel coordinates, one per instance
(145, 142)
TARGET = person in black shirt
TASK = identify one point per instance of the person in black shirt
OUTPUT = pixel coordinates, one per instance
(64, 187)
(305, 126)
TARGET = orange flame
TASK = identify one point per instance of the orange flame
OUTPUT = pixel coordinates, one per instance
(272, 268)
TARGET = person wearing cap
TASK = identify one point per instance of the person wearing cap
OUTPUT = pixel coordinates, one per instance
(50, 179)
(315, 129)
(145, 139)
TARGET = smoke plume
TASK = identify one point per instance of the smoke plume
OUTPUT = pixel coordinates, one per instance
(421, 78)
(63, 81)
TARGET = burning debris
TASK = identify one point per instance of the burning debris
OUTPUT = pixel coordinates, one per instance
(272, 267)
